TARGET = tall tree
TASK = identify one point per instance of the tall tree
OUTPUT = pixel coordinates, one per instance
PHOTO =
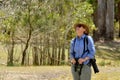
(104, 19)
(29, 31)
(117, 16)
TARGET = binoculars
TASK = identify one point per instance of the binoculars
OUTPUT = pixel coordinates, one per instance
(94, 65)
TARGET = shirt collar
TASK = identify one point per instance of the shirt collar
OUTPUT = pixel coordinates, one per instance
(82, 37)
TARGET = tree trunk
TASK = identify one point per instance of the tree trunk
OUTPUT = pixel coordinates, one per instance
(95, 31)
(48, 50)
(56, 59)
(59, 51)
(63, 54)
(53, 55)
(26, 47)
(41, 58)
(110, 20)
(29, 37)
(101, 18)
(11, 51)
(119, 18)
(104, 20)
(119, 29)
(35, 56)
(49, 56)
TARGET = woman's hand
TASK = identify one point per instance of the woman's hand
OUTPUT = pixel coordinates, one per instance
(81, 60)
(73, 61)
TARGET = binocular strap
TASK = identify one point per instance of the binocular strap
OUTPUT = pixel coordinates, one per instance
(80, 68)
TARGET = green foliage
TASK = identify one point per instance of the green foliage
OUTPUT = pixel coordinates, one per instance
(10, 64)
(116, 1)
(52, 17)
(93, 3)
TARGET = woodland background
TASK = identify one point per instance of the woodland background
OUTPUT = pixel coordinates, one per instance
(36, 34)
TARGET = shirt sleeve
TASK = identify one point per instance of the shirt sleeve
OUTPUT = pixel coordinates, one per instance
(91, 48)
(71, 49)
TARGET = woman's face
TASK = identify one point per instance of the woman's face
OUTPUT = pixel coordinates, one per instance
(80, 31)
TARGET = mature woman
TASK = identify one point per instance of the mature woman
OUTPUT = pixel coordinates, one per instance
(80, 58)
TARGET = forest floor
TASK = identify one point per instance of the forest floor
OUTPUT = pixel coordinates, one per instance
(54, 73)
(108, 59)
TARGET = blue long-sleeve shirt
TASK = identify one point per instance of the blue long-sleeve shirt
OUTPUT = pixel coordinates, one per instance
(79, 47)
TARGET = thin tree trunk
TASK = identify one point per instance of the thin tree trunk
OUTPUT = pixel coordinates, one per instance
(63, 54)
(49, 56)
(119, 28)
(29, 37)
(40, 59)
(59, 51)
(35, 56)
(53, 50)
(44, 50)
(119, 18)
(95, 31)
(40, 52)
(11, 51)
(26, 47)
(55, 57)
(48, 50)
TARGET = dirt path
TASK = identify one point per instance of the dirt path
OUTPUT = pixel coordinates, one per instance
(32, 73)
(53, 73)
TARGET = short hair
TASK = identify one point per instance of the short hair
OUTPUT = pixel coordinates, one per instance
(82, 25)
